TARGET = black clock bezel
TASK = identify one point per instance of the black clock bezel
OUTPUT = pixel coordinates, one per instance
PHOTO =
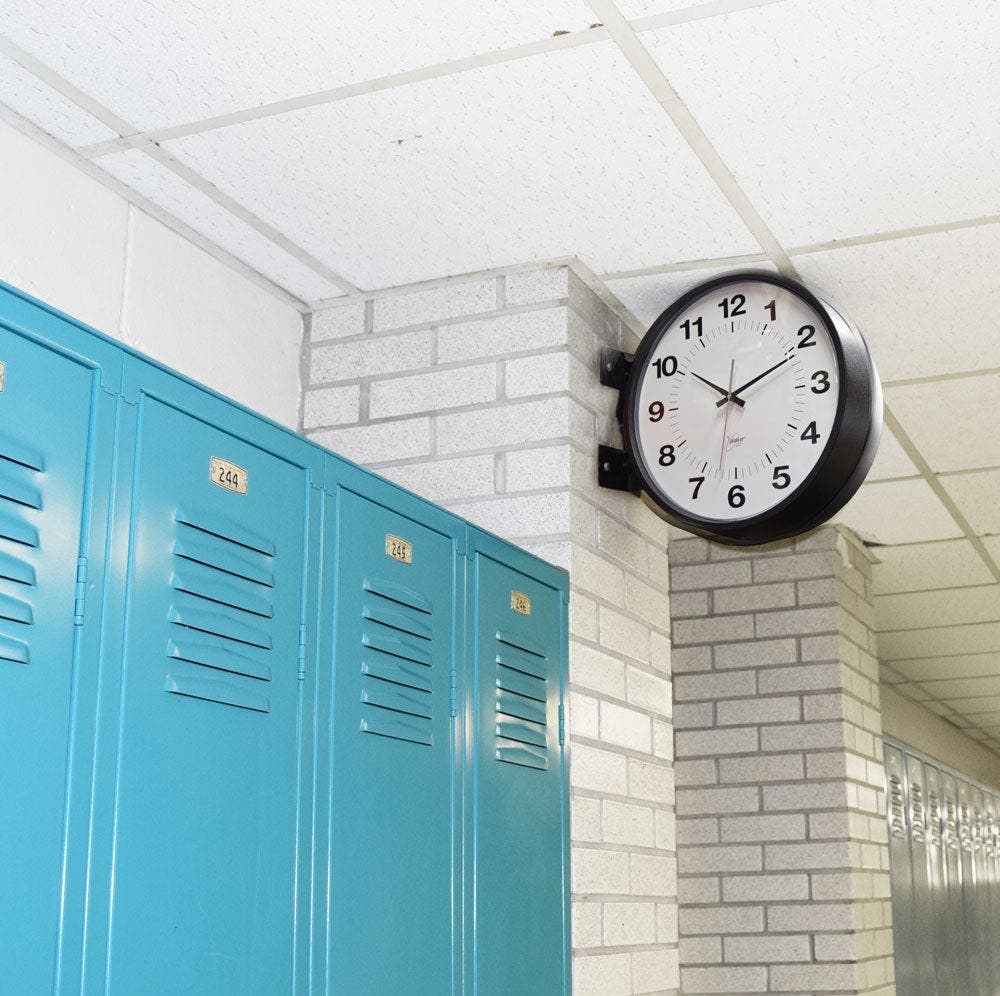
(841, 466)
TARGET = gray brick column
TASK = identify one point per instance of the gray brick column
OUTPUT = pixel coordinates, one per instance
(781, 839)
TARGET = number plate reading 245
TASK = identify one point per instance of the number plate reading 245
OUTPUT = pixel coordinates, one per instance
(227, 475)
(398, 548)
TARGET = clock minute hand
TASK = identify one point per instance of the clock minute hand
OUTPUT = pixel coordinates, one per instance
(726, 396)
(750, 383)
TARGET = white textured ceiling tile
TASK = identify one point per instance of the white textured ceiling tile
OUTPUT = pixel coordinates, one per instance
(968, 666)
(964, 687)
(647, 8)
(910, 298)
(840, 118)
(941, 642)
(179, 198)
(945, 420)
(954, 607)
(952, 564)
(158, 63)
(492, 167)
(647, 296)
(890, 460)
(978, 498)
(898, 512)
(992, 544)
(51, 111)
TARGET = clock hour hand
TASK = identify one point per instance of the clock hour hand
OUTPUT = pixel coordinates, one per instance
(750, 383)
(726, 396)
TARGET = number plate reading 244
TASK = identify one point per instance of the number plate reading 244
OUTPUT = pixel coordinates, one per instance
(227, 475)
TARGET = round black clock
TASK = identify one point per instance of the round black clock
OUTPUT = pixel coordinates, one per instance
(751, 411)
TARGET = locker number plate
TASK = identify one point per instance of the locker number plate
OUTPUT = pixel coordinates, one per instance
(398, 548)
(227, 475)
(3, 374)
(520, 602)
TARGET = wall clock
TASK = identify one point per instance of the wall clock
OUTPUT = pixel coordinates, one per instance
(751, 411)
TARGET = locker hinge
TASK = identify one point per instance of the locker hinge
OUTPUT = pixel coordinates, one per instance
(453, 692)
(302, 653)
(562, 726)
(80, 595)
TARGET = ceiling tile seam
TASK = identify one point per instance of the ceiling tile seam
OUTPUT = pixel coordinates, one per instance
(910, 448)
(420, 74)
(574, 39)
(193, 178)
(937, 378)
(659, 86)
(149, 207)
(655, 79)
(108, 118)
(854, 241)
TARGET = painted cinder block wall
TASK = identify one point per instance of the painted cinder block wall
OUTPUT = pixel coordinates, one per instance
(483, 395)
(78, 246)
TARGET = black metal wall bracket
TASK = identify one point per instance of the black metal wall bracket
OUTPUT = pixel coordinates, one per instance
(614, 466)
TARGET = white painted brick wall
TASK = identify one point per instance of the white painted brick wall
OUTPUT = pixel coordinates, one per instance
(782, 860)
(79, 247)
(485, 396)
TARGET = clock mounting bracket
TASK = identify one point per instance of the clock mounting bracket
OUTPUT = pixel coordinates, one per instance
(615, 469)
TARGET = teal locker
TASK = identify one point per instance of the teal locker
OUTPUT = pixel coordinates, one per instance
(390, 588)
(56, 433)
(210, 720)
(518, 842)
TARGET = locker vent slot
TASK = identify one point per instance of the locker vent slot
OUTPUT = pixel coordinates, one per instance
(20, 505)
(934, 819)
(221, 613)
(897, 819)
(917, 813)
(950, 831)
(397, 691)
(521, 730)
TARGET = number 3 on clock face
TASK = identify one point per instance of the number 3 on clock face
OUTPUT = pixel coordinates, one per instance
(752, 409)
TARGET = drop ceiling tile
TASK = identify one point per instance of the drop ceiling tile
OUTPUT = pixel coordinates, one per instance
(978, 498)
(841, 119)
(648, 295)
(157, 64)
(495, 166)
(954, 688)
(967, 666)
(958, 641)
(51, 111)
(925, 566)
(898, 512)
(891, 460)
(988, 720)
(633, 9)
(168, 191)
(952, 607)
(992, 544)
(979, 702)
(945, 420)
(905, 296)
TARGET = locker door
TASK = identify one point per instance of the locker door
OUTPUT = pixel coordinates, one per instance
(990, 804)
(984, 914)
(923, 900)
(953, 869)
(937, 880)
(392, 872)
(967, 840)
(517, 796)
(206, 795)
(52, 409)
(900, 872)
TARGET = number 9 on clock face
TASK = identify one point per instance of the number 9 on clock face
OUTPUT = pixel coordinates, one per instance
(751, 409)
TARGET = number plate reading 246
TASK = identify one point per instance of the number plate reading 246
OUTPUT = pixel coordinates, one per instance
(227, 475)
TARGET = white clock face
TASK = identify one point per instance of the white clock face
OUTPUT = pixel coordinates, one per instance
(737, 401)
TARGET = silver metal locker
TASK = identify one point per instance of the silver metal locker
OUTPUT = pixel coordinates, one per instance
(991, 883)
(937, 876)
(967, 845)
(923, 900)
(953, 877)
(900, 871)
(983, 914)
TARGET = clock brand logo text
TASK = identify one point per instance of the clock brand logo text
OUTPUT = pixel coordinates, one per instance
(733, 441)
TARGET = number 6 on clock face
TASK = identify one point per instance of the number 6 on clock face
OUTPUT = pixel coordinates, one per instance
(753, 410)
